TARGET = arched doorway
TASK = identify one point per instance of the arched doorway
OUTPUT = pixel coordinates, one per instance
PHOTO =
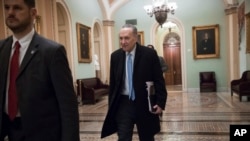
(172, 56)
(97, 52)
(99, 47)
(64, 33)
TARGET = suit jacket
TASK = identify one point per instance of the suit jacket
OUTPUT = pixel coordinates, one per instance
(47, 101)
(146, 68)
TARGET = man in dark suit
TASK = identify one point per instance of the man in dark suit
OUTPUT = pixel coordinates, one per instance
(37, 98)
(164, 66)
(128, 105)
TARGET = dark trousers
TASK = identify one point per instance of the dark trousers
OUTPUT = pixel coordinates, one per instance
(125, 119)
(11, 129)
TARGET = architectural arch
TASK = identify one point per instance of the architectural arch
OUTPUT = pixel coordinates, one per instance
(154, 39)
(98, 50)
(64, 32)
(110, 7)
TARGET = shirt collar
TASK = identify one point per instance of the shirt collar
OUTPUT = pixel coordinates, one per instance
(132, 52)
(25, 39)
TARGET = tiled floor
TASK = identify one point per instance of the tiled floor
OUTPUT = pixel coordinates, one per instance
(188, 117)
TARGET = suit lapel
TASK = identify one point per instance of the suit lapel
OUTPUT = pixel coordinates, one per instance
(121, 66)
(137, 56)
(31, 51)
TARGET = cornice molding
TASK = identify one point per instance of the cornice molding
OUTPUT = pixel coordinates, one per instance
(231, 10)
(108, 23)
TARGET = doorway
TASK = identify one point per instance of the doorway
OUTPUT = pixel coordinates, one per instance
(172, 56)
(97, 50)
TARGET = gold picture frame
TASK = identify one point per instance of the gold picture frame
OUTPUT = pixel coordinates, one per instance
(206, 41)
(248, 32)
(83, 43)
(140, 38)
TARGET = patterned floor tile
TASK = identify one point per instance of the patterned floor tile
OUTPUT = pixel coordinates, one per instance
(188, 117)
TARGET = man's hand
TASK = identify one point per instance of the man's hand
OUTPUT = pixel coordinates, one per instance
(157, 109)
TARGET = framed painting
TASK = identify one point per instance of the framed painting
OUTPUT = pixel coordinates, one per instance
(140, 38)
(83, 43)
(248, 32)
(206, 41)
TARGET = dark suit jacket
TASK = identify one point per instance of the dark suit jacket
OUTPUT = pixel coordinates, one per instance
(146, 68)
(46, 97)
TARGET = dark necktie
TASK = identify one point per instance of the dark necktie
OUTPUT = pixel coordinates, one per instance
(130, 78)
(14, 67)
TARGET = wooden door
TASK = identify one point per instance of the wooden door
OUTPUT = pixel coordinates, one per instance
(172, 56)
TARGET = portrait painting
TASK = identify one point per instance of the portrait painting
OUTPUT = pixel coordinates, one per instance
(248, 32)
(140, 38)
(83, 43)
(206, 41)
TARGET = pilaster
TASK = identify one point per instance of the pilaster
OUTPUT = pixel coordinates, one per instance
(108, 26)
(232, 43)
(2, 25)
(48, 18)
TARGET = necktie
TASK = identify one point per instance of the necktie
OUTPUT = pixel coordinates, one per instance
(130, 79)
(14, 67)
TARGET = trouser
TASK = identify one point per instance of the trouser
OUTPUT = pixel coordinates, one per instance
(11, 129)
(125, 120)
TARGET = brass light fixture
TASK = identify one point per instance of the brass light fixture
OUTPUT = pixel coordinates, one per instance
(160, 9)
(169, 25)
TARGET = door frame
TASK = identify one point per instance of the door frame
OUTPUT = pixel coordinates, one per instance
(154, 39)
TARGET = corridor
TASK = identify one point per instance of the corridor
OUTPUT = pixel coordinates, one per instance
(188, 117)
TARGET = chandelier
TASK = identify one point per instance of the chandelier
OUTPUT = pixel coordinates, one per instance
(160, 9)
(169, 25)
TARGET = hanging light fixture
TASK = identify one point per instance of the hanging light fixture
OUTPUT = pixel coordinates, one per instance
(160, 9)
(169, 25)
